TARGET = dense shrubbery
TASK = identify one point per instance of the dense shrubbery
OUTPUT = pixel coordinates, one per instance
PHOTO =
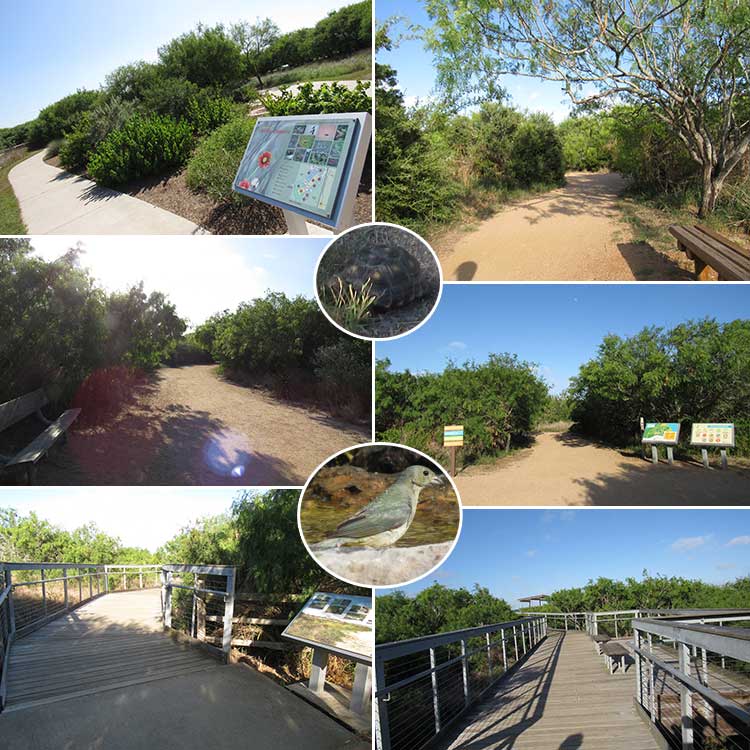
(696, 372)
(56, 326)
(326, 99)
(145, 146)
(16, 135)
(62, 116)
(588, 142)
(497, 401)
(289, 345)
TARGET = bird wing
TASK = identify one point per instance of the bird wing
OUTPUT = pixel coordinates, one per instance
(374, 519)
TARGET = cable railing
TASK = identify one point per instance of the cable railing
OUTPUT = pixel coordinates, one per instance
(424, 684)
(693, 677)
(563, 620)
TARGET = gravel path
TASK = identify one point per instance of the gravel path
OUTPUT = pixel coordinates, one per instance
(187, 426)
(575, 233)
(565, 469)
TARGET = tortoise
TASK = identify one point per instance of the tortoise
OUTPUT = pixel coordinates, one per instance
(395, 276)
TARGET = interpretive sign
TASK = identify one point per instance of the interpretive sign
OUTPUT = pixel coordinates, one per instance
(706, 434)
(339, 623)
(453, 435)
(663, 433)
(306, 164)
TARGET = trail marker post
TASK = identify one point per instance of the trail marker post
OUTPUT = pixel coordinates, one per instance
(713, 435)
(661, 433)
(453, 437)
(309, 166)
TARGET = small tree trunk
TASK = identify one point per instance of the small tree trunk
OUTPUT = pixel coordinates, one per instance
(712, 187)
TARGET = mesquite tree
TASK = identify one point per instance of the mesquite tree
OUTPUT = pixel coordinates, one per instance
(687, 61)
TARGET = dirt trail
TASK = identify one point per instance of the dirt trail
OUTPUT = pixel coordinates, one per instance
(565, 469)
(188, 426)
(575, 233)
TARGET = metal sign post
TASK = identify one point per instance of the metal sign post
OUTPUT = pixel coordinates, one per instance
(453, 437)
(713, 435)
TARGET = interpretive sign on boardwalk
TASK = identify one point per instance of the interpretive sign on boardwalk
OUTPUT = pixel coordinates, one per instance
(306, 164)
(712, 435)
(664, 433)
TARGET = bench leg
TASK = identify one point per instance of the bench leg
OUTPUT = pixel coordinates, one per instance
(702, 271)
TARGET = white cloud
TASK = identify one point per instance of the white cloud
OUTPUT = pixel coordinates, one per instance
(738, 540)
(551, 516)
(531, 553)
(460, 345)
(689, 543)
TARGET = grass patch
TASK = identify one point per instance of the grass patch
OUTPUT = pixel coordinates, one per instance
(356, 67)
(10, 212)
(560, 426)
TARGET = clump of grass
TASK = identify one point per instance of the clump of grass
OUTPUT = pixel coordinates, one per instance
(351, 307)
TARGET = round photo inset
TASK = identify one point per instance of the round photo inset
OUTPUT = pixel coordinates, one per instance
(379, 514)
(378, 281)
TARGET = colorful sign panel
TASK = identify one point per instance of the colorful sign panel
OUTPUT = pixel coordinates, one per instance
(718, 435)
(664, 433)
(339, 623)
(453, 435)
(301, 163)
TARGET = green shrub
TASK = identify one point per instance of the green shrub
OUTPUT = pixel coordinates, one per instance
(537, 156)
(78, 145)
(326, 99)
(206, 113)
(143, 147)
(16, 135)
(54, 148)
(62, 116)
(588, 142)
(169, 97)
(214, 164)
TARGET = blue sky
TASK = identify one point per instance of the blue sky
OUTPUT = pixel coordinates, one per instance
(143, 517)
(417, 78)
(201, 276)
(556, 326)
(518, 553)
(50, 50)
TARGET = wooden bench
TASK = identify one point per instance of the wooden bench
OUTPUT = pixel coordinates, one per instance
(19, 408)
(708, 249)
(615, 653)
(599, 641)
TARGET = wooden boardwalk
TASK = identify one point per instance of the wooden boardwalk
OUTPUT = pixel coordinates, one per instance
(561, 698)
(111, 642)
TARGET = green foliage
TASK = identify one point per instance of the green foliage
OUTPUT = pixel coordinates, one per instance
(207, 56)
(254, 40)
(496, 401)
(537, 157)
(698, 371)
(168, 96)
(62, 116)
(588, 142)
(131, 82)
(32, 539)
(57, 326)
(143, 147)
(344, 366)
(557, 409)
(209, 541)
(437, 609)
(326, 99)
(206, 113)
(16, 135)
(214, 164)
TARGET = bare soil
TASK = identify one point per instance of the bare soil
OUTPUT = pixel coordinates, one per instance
(188, 426)
(574, 233)
(566, 469)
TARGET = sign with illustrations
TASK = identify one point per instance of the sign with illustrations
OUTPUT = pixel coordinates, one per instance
(664, 433)
(301, 163)
(339, 623)
(718, 435)
(453, 435)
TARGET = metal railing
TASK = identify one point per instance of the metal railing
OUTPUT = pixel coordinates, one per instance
(693, 678)
(563, 620)
(198, 601)
(424, 684)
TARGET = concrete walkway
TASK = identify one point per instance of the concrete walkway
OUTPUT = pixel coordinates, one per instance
(54, 201)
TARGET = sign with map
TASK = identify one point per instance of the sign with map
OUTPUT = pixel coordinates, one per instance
(302, 163)
(664, 433)
(339, 623)
(719, 435)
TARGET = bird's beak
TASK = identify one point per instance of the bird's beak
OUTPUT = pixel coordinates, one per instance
(439, 481)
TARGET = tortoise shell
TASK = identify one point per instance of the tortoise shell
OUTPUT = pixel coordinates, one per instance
(395, 276)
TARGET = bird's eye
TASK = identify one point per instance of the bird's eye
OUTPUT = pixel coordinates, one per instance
(425, 472)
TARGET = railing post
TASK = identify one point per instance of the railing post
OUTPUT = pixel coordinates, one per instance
(465, 670)
(686, 699)
(80, 585)
(11, 607)
(140, 577)
(65, 588)
(91, 588)
(489, 656)
(515, 642)
(523, 638)
(435, 701)
(124, 580)
(44, 592)
(638, 665)
(228, 615)
(106, 579)
(651, 685)
(382, 726)
(167, 598)
(617, 634)
(505, 656)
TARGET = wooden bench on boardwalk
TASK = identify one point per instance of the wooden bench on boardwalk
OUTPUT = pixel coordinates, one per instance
(24, 406)
(615, 653)
(599, 641)
(709, 249)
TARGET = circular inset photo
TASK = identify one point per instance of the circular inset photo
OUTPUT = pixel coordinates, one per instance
(379, 514)
(378, 281)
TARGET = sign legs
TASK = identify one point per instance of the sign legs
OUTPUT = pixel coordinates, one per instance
(654, 454)
(361, 690)
(318, 671)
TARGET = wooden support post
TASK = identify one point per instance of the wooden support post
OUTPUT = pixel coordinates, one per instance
(228, 614)
(723, 454)
(200, 619)
(362, 689)
(465, 671)
(704, 456)
(453, 460)
(435, 700)
(654, 454)
(670, 454)
(318, 670)
(686, 699)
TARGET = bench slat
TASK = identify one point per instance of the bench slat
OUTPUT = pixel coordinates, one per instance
(43, 442)
(723, 247)
(20, 408)
(713, 233)
(725, 260)
(615, 649)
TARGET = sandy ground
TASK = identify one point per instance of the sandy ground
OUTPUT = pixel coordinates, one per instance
(565, 469)
(574, 233)
(187, 426)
